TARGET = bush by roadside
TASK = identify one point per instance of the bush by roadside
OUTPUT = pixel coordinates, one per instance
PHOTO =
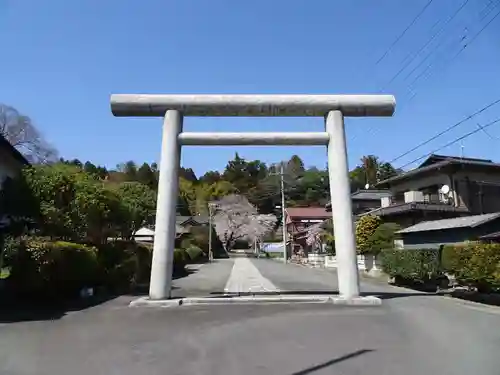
(194, 253)
(41, 268)
(52, 269)
(474, 265)
(416, 267)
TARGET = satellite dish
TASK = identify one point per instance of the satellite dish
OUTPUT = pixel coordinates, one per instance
(445, 189)
(367, 186)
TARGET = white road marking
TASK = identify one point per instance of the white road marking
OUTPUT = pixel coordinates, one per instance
(245, 278)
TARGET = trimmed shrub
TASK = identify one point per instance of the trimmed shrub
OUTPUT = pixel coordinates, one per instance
(194, 253)
(383, 237)
(474, 264)
(124, 264)
(53, 268)
(180, 260)
(419, 265)
(365, 228)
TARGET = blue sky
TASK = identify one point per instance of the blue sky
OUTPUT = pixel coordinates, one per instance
(62, 60)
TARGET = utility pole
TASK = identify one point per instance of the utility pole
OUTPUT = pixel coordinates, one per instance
(211, 205)
(283, 213)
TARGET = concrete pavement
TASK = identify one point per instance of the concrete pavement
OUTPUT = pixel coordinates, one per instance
(203, 279)
(246, 278)
(411, 333)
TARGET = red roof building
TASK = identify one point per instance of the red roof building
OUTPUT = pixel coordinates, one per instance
(298, 219)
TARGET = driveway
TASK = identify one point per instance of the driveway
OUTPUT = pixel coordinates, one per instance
(411, 333)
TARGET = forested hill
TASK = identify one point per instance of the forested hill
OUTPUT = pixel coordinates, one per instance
(259, 182)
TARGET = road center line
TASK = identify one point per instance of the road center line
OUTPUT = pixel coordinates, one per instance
(245, 278)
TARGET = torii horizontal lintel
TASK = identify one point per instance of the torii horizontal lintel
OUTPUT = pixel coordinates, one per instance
(252, 105)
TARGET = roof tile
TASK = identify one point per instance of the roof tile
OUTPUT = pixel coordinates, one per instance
(308, 212)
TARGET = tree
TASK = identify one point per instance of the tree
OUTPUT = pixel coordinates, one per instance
(386, 170)
(370, 166)
(383, 237)
(19, 130)
(129, 170)
(138, 203)
(210, 177)
(236, 219)
(206, 193)
(187, 197)
(371, 171)
(244, 175)
(91, 168)
(260, 226)
(365, 228)
(146, 176)
(295, 166)
(187, 174)
(60, 201)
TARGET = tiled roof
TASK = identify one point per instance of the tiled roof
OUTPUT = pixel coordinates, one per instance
(5, 144)
(370, 194)
(308, 212)
(457, 222)
(441, 164)
(434, 158)
(181, 219)
(414, 206)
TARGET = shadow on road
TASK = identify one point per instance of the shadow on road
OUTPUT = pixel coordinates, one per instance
(186, 272)
(24, 311)
(382, 295)
(14, 310)
(331, 362)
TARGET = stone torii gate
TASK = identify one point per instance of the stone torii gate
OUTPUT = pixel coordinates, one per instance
(333, 108)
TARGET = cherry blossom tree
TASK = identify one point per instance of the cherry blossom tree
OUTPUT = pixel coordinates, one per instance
(20, 131)
(236, 219)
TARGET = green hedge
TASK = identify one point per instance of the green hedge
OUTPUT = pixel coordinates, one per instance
(49, 268)
(194, 253)
(474, 264)
(40, 267)
(124, 264)
(181, 258)
(419, 265)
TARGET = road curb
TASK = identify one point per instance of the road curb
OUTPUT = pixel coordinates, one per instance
(228, 300)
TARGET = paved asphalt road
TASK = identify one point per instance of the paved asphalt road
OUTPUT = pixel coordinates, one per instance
(409, 334)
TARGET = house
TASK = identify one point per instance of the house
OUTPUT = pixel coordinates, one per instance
(183, 225)
(472, 188)
(11, 164)
(11, 160)
(146, 234)
(191, 221)
(365, 200)
(298, 220)
(433, 234)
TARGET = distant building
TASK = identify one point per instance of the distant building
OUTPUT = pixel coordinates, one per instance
(433, 234)
(416, 196)
(365, 200)
(11, 160)
(11, 163)
(298, 220)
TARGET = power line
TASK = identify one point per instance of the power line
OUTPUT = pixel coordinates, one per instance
(436, 34)
(488, 134)
(446, 131)
(427, 70)
(475, 36)
(482, 127)
(400, 36)
(436, 48)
